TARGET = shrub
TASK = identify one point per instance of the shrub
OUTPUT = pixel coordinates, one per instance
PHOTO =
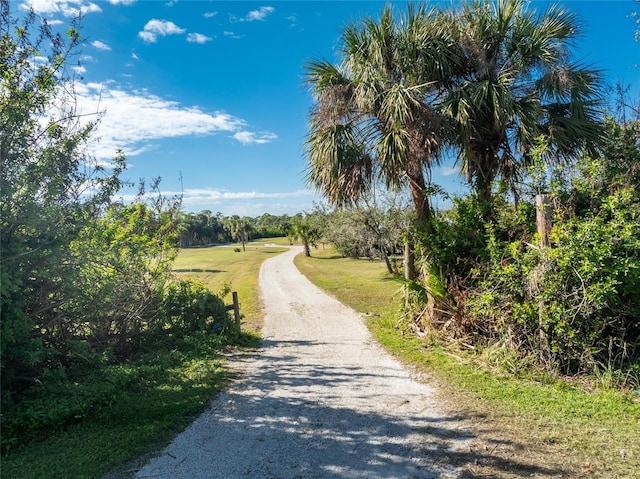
(187, 306)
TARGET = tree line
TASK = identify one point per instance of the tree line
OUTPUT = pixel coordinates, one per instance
(205, 228)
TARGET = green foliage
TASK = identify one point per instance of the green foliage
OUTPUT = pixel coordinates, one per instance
(86, 283)
(205, 228)
(123, 262)
(45, 201)
(188, 305)
(184, 363)
(515, 81)
(369, 232)
(307, 230)
(573, 305)
(202, 229)
(374, 117)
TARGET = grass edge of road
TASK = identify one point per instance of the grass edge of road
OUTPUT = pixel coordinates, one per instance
(524, 425)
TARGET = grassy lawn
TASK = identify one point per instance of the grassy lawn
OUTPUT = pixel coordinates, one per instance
(523, 426)
(145, 403)
(225, 265)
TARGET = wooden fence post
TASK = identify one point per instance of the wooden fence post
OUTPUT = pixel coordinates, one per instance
(543, 224)
(543, 219)
(236, 310)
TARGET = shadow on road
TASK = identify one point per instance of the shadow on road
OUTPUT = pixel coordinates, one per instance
(291, 417)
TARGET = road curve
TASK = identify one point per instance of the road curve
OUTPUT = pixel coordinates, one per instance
(320, 400)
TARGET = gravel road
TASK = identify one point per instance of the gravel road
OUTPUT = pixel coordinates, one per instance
(320, 400)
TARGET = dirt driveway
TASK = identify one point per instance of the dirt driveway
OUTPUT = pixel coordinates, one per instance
(320, 400)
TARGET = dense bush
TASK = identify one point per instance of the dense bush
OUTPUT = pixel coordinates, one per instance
(45, 198)
(188, 306)
(366, 232)
(85, 282)
(573, 305)
(65, 398)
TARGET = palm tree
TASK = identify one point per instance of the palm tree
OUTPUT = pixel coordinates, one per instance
(373, 119)
(302, 229)
(516, 84)
(239, 229)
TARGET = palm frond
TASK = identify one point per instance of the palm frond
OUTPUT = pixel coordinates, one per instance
(338, 166)
(321, 74)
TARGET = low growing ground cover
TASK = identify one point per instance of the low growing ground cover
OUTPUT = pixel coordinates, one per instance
(123, 411)
(526, 423)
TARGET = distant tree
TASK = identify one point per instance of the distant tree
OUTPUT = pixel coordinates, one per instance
(370, 230)
(269, 226)
(303, 229)
(240, 228)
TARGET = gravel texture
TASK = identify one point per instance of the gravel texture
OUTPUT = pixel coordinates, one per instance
(320, 400)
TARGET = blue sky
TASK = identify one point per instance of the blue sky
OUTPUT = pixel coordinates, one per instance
(209, 95)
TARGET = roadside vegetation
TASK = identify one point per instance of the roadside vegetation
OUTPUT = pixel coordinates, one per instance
(225, 269)
(520, 298)
(96, 419)
(539, 263)
(524, 422)
(104, 351)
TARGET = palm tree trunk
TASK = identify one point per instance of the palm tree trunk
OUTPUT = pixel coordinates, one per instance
(420, 197)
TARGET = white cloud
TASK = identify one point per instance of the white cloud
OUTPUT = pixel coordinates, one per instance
(121, 2)
(79, 69)
(217, 194)
(134, 56)
(448, 171)
(68, 8)
(155, 27)
(100, 45)
(260, 14)
(198, 38)
(248, 138)
(252, 203)
(132, 120)
(210, 14)
(231, 35)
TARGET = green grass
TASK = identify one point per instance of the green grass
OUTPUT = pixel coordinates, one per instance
(143, 404)
(219, 266)
(156, 396)
(524, 426)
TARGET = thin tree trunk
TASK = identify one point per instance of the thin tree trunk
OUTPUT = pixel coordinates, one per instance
(387, 262)
(543, 219)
